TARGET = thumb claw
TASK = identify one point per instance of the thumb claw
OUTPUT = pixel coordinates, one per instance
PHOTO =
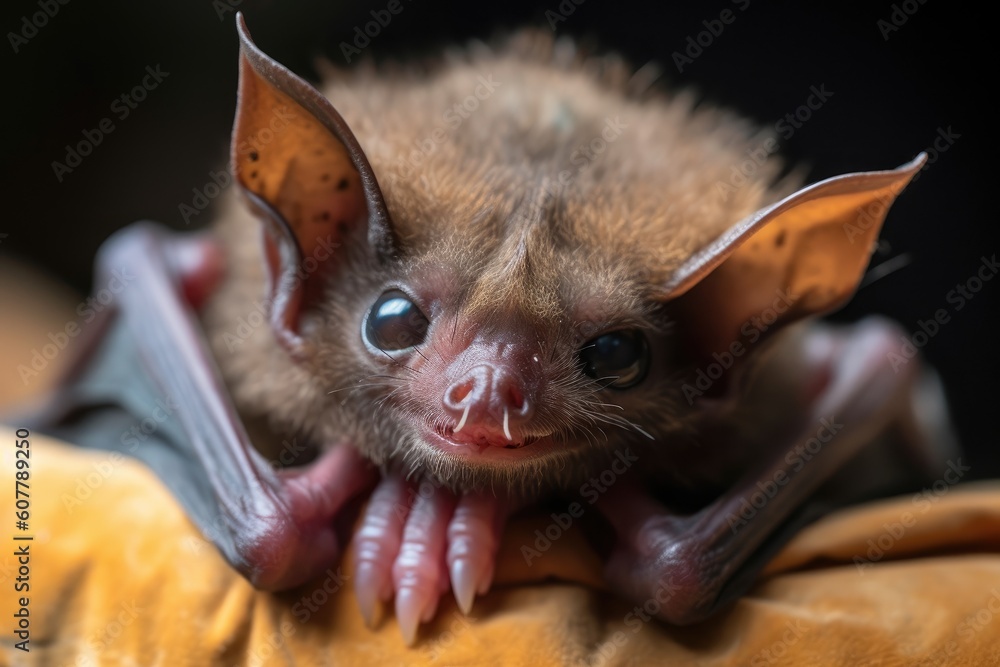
(198, 263)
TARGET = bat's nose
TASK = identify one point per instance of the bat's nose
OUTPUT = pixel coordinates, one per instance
(490, 401)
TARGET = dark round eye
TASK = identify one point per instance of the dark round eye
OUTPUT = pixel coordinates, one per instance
(619, 357)
(395, 323)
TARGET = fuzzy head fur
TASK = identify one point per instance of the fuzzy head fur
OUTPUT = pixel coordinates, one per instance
(536, 199)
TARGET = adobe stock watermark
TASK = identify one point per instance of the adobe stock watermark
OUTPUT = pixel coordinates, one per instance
(898, 17)
(757, 156)
(874, 212)
(459, 625)
(796, 459)
(922, 503)
(695, 45)
(218, 181)
(584, 156)
(290, 454)
(209, 534)
(635, 620)
(122, 106)
(976, 622)
(591, 491)
(225, 7)
(267, 647)
(957, 297)
(562, 12)
(965, 631)
(381, 18)
(452, 119)
(141, 431)
(794, 629)
(87, 311)
(751, 331)
(310, 603)
(101, 641)
(247, 324)
(30, 25)
(311, 600)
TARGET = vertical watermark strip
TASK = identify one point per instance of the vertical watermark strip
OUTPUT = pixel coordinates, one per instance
(22, 538)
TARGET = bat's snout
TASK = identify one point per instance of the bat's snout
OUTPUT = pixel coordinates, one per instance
(490, 404)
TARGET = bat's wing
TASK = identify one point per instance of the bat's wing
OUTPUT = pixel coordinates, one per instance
(694, 565)
(806, 254)
(305, 177)
(148, 387)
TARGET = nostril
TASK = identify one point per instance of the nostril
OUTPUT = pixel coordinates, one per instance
(466, 391)
(459, 391)
(515, 397)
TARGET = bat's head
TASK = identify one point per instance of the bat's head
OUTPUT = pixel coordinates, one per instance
(508, 270)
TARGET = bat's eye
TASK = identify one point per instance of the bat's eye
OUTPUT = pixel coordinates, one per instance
(394, 323)
(620, 358)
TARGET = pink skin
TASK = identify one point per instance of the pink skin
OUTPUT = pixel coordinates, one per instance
(376, 544)
(473, 540)
(845, 375)
(416, 541)
(410, 541)
(419, 574)
(413, 541)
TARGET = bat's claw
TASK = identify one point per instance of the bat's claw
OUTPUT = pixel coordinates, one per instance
(368, 582)
(198, 262)
(412, 607)
(376, 545)
(418, 572)
(473, 540)
(464, 582)
(414, 541)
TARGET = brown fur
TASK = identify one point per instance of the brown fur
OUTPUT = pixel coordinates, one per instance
(490, 241)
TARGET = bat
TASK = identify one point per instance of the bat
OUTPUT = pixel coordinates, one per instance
(455, 292)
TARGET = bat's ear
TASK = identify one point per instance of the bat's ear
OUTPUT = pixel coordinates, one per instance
(306, 177)
(804, 255)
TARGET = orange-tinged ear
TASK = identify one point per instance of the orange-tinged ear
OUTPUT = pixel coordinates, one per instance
(803, 255)
(305, 176)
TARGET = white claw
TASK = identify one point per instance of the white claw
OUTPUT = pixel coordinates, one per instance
(506, 424)
(463, 584)
(408, 613)
(465, 415)
(367, 585)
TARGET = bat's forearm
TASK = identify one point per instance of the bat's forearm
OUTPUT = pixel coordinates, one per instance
(712, 556)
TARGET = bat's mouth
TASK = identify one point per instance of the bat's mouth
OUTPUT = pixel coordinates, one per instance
(474, 438)
(474, 446)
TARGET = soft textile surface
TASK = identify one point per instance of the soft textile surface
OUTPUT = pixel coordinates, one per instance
(119, 576)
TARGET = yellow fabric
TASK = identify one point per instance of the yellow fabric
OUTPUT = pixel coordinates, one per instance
(119, 576)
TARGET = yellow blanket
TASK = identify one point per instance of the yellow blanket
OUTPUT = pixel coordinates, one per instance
(119, 576)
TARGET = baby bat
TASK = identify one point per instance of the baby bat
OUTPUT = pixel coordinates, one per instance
(494, 279)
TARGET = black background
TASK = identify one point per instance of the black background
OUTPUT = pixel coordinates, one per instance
(891, 97)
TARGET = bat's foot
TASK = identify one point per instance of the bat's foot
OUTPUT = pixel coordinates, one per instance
(847, 395)
(415, 540)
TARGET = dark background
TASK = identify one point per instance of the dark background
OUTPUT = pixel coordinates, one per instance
(891, 98)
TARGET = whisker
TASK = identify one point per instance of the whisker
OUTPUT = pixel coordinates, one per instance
(609, 405)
